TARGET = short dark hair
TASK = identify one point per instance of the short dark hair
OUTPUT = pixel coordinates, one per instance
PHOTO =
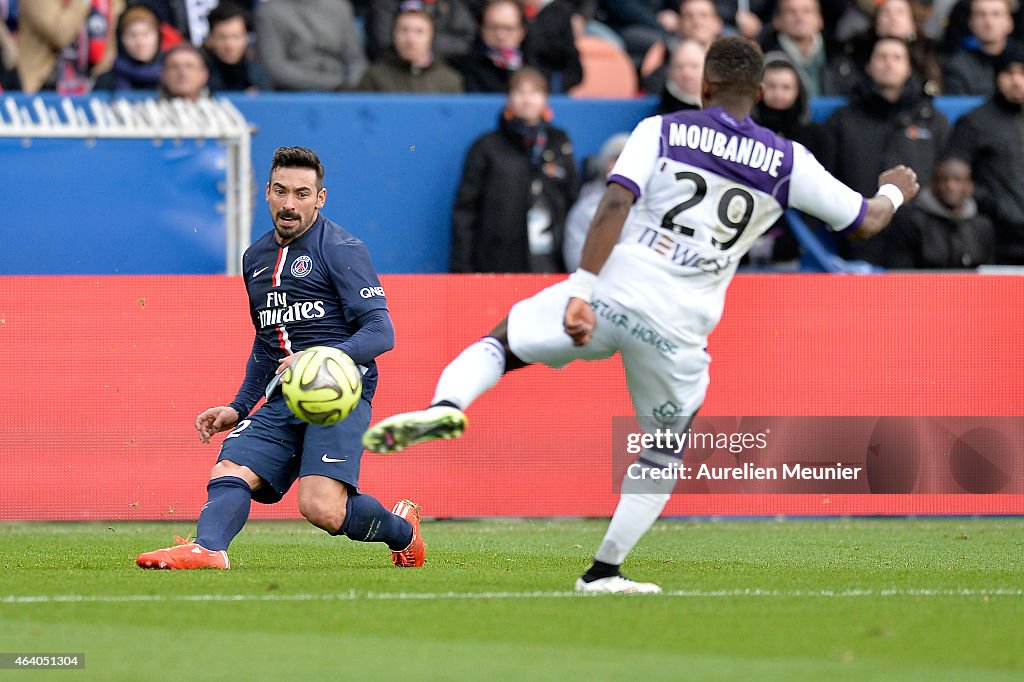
(298, 157)
(226, 10)
(889, 39)
(734, 64)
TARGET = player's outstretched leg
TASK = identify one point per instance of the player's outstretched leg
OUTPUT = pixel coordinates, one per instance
(467, 377)
(399, 431)
(367, 520)
(222, 517)
(639, 507)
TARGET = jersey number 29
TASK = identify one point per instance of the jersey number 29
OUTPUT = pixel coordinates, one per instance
(737, 225)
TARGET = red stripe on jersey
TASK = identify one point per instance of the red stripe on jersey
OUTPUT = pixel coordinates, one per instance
(279, 265)
(283, 340)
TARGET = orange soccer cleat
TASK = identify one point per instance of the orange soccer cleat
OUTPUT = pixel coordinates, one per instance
(184, 555)
(415, 554)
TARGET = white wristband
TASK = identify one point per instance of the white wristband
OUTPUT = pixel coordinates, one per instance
(892, 193)
(581, 284)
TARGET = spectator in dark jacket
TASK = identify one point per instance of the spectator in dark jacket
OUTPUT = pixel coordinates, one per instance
(518, 183)
(889, 121)
(684, 76)
(498, 53)
(227, 51)
(698, 21)
(990, 138)
(784, 107)
(412, 66)
(550, 44)
(954, 25)
(971, 70)
(641, 23)
(941, 228)
(894, 19)
(505, 45)
(797, 32)
(784, 110)
(138, 64)
(455, 26)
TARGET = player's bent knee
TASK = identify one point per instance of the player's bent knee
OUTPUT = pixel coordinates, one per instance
(226, 467)
(500, 333)
(322, 513)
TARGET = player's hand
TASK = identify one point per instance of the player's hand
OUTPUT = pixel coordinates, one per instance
(286, 362)
(904, 178)
(215, 420)
(579, 321)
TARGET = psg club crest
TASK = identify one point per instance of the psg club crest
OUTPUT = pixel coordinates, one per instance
(302, 266)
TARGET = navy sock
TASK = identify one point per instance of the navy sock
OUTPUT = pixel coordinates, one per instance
(366, 520)
(225, 512)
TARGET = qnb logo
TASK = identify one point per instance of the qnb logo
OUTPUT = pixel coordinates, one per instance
(370, 292)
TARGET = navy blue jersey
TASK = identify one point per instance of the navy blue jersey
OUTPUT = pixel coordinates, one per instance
(310, 292)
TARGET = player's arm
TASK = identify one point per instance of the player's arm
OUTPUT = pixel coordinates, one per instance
(259, 371)
(895, 186)
(375, 336)
(815, 191)
(606, 227)
(363, 302)
(601, 239)
(633, 168)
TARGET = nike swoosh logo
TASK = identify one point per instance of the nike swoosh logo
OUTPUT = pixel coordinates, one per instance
(257, 273)
(331, 460)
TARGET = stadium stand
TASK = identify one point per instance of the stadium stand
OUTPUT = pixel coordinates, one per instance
(607, 70)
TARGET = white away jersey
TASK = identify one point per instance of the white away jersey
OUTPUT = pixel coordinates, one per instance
(707, 187)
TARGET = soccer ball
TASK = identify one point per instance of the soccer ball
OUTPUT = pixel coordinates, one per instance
(322, 386)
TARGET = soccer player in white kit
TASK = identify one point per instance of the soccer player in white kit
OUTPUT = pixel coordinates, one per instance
(706, 185)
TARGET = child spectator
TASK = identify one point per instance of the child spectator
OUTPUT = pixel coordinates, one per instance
(518, 183)
(138, 64)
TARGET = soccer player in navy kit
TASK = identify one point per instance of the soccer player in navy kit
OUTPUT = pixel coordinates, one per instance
(310, 283)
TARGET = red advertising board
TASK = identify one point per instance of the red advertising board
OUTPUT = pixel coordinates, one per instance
(103, 378)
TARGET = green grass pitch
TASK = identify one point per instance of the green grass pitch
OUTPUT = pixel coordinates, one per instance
(886, 599)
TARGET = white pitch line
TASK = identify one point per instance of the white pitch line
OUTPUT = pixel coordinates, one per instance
(442, 596)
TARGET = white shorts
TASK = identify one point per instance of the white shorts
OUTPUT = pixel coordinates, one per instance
(667, 377)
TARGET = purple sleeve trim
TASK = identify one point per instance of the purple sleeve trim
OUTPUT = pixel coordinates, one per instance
(860, 216)
(625, 182)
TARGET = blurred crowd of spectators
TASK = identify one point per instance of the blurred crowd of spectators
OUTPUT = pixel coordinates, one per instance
(888, 58)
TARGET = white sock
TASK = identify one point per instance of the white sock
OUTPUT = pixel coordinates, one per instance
(634, 516)
(470, 374)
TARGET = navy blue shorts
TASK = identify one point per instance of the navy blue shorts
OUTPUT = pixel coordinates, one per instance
(279, 448)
